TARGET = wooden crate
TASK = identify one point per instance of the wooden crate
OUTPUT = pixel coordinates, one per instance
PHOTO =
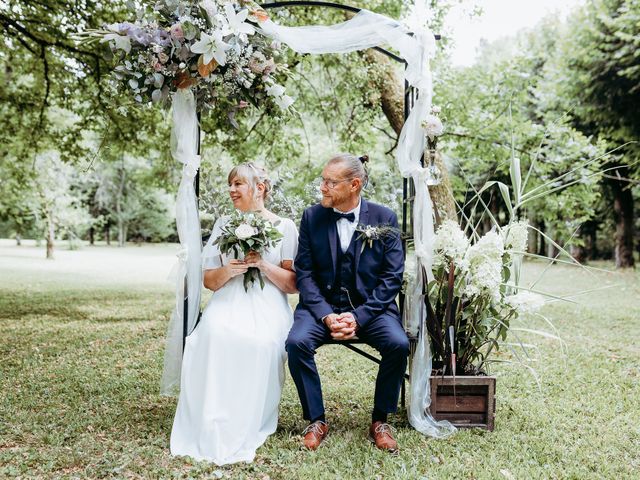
(473, 404)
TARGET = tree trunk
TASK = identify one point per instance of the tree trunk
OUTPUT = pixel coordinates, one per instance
(91, 236)
(589, 237)
(121, 233)
(542, 243)
(392, 102)
(50, 233)
(532, 241)
(552, 250)
(623, 215)
(119, 196)
(578, 253)
(593, 243)
(107, 233)
(18, 240)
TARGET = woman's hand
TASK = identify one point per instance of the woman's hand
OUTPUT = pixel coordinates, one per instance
(216, 278)
(254, 259)
(236, 267)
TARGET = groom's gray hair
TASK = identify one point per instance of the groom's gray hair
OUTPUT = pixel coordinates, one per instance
(354, 166)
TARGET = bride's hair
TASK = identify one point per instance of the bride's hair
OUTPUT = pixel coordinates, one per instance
(355, 166)
(252, 174)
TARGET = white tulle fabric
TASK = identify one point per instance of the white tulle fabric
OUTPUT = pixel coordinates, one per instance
(364, 30)
(184, 148)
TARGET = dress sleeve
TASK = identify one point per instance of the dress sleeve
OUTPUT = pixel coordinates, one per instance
(211, 256)
(289, 247)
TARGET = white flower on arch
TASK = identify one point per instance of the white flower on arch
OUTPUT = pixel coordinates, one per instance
(212, 46)
(277, 92)
(236, 21)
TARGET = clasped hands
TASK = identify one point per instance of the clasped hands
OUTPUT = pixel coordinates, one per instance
(343, 326)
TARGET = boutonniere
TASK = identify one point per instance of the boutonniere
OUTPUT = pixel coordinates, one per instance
(370, 233)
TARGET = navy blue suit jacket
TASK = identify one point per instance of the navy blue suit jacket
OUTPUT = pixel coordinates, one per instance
(379, 267)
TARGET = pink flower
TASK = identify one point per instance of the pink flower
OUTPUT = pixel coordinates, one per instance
(176, 32)
(243, 104)
(261, 65)
(269, 67)
(255, 65)
(157, 67)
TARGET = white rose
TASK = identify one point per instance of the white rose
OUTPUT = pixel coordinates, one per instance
(284, 102)
(275, 90)
(210, 7)
(245, 231)
(433, 126)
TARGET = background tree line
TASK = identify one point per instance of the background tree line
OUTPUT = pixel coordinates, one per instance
(79, 162)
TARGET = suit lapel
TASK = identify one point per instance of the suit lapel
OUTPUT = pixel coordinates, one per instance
(332, 234)
(362, 220)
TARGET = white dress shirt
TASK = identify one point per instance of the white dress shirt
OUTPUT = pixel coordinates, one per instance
(346, 229)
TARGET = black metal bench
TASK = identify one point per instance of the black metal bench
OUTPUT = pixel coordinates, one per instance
(351, 345)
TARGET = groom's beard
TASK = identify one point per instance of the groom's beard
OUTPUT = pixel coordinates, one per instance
(335, 198)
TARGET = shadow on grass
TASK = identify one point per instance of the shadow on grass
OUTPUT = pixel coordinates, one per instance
(86, 306)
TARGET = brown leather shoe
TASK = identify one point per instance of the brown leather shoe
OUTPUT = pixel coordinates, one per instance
(380, 434)
(314, 434)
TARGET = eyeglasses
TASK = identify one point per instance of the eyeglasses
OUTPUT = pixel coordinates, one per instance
(332, 183)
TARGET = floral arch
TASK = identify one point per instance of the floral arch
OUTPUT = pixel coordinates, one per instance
(221, 56)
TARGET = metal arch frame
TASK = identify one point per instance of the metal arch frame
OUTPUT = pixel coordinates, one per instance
(410, 96)
(336, 6)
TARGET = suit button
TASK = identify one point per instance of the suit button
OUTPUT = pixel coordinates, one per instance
(328, 287)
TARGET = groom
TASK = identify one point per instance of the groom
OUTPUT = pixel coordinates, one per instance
(347, 289)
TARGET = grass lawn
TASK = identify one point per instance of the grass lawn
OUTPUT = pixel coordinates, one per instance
(81, 349)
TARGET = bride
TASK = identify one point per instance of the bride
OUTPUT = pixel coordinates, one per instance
(233, 364)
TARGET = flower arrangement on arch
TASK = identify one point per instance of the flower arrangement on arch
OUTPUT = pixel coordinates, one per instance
(211, 46)
(244, 233)
(433, 127)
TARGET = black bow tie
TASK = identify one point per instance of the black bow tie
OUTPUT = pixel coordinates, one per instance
(338, 215)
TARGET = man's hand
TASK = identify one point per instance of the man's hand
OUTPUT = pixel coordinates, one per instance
(331, 320)
(342, 326)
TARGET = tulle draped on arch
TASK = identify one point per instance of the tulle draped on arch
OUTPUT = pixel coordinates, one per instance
(365, 30)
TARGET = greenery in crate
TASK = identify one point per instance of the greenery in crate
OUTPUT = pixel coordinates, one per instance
(475, 298)
(469, 304)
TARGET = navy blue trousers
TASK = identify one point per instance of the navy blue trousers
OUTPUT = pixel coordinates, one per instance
(383, 333)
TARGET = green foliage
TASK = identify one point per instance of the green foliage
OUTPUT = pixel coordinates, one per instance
(496, 118)
(593, 75)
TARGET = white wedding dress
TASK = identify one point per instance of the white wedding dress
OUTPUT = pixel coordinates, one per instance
(233, 364)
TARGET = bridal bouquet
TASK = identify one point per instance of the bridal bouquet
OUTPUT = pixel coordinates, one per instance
(471, 302)
(244, 233)
(211, 46)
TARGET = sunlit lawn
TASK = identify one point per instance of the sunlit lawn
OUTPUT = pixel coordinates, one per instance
(80, 361)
